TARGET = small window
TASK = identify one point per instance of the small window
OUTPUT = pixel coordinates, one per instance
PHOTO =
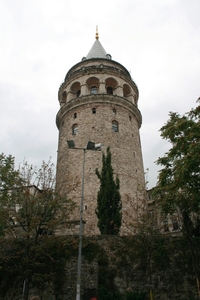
(115, 126)
(93, 90)
(44, 231)
(108, 56)
(94, 110)
(109, 90)
(130, 118)
(75, 115)
(75, 129)
(175, 224)
(149, 196)
(151, 214)
(114, 111)
(165, 225)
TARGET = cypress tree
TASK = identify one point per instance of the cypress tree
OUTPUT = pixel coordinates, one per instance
(109, 203)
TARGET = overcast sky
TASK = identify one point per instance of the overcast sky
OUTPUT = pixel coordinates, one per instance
(158, 41)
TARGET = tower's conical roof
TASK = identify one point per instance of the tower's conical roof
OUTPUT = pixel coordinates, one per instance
(97, 50)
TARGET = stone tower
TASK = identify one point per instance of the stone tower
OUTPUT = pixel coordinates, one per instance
(99, 103)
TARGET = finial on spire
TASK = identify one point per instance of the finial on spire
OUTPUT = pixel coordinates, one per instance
(97, 34)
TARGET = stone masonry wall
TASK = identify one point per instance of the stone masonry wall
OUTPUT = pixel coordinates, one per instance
(92, 115)
(126, 156)
(119, 266)
(115, 266)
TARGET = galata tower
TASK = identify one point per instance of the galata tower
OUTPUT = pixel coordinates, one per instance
(99, 103)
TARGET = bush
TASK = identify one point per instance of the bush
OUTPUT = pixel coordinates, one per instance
(103, 294)
(136, 295)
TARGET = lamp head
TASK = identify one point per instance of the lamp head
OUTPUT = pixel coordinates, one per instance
(71, 144)
(93, 146)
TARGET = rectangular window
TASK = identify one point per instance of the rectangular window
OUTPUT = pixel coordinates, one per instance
(165, 225)
(175, 224)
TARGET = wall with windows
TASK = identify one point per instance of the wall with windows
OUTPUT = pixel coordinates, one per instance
(168, 225)
(99, 103)
(105, 81)
(100, 85)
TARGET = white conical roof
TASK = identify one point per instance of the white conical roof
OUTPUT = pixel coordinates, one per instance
(97, 51)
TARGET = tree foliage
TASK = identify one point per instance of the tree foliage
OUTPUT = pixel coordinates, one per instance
(178, 184)
(29, 203)
(30, 212)
(108, 199)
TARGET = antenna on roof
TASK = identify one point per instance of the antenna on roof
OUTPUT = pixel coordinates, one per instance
(97, 33)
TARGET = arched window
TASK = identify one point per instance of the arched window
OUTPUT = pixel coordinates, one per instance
(165, 225)
(114, 111)
(94, 110)
(115, 126)
(75, 129)
(109, 90)
(108, 56)
(126, 90)
(111, 84)
(76, 88)
(93, 84)
(175, 223)
(93, 90)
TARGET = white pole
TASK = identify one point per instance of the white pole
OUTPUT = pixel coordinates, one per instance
(78, 286)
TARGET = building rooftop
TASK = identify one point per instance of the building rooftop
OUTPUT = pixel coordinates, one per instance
(97, 50)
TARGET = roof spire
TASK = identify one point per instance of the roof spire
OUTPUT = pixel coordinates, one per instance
(97, 50)
(97, 33)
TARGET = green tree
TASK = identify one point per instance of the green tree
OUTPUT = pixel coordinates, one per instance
(179, 179)
(9, 178)
(8, 175)
(178, 186)
(108, 199)
(30, 212)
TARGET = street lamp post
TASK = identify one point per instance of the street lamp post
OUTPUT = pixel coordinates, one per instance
(94, 147)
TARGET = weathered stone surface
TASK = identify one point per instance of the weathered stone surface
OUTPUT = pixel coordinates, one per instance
(114, 263)
(77, 106)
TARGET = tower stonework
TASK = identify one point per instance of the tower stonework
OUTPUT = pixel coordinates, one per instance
(99, 103)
